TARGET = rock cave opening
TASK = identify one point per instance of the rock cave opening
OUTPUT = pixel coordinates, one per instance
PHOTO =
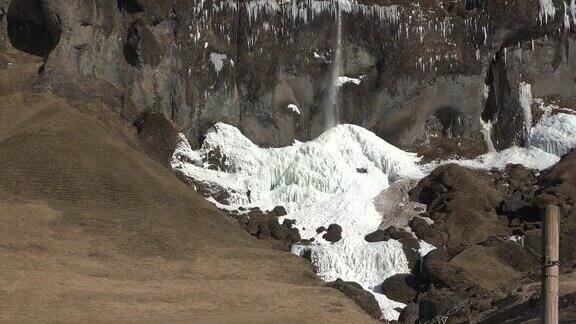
(130, 6)
(30, 29)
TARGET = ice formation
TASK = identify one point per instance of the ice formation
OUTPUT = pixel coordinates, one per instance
(344, 79)
(525, 99)
(547, 11)
(555, 134)
(293, 108)
(319, 185)
(332, 106)
(487, 134)
(217, 60)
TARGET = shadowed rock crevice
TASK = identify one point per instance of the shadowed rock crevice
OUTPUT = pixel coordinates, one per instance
(497, 109)
(31, 29)
(131, 46)
(130, 6)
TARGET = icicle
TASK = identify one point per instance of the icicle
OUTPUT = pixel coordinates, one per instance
(526, 100)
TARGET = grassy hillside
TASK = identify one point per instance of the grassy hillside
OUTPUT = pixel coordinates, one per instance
(92, 229)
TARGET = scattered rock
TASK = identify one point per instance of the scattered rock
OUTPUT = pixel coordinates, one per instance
(333, 233)
(293, 235)
(428, 232)
(280, 211)
(377, 236)
(320, 229)
(288, 223)
(361, 297)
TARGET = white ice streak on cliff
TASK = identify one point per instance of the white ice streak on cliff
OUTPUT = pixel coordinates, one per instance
(344, 79)
(487, 134)
(566, 17)
(525, 99)
(547, 10)
(319, 184)
(293, 108)
(573, 11)
(217, 60)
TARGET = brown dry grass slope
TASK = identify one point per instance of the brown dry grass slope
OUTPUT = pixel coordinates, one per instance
(92, 229)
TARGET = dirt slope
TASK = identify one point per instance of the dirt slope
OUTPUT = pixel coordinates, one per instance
(92, 229)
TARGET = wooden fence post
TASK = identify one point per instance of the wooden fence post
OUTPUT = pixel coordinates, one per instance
(550, 266)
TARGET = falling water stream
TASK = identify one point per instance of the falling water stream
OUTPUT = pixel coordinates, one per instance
(332, 105)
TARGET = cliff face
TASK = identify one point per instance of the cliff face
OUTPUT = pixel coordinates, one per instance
(423, 65)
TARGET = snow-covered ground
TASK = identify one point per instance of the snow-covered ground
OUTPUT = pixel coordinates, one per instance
(335, 179)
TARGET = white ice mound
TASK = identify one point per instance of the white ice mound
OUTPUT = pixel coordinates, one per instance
(555, 134)
(532, 158)
(303, 173)
(551, 138)
(331, 179)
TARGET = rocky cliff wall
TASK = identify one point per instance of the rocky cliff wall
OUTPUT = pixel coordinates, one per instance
(423, 67)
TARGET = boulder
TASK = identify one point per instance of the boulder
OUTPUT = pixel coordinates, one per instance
(401, 287)
(288, 223)
(409, 315)
(361, 297)
(279, 211)
(292, 235)
(263, 231)
(428, 232)
(462, 203)
(333, 233)
(377, 236)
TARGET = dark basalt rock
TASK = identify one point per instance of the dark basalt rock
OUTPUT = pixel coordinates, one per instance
(462, 203)
(279, 211)
(333, 233)
(401, 287)
(409, 314)
(361, 297)
(377, 236)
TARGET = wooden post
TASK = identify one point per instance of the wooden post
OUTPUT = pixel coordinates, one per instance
(550, 242)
